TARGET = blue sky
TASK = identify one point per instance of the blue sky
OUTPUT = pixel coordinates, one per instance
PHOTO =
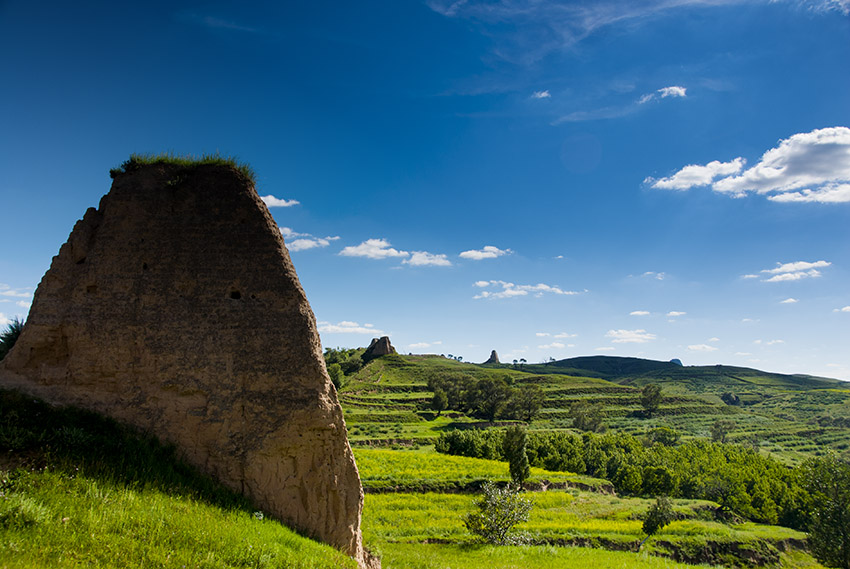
(661, 179)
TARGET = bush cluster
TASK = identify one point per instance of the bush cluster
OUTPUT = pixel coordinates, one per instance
(736, 477)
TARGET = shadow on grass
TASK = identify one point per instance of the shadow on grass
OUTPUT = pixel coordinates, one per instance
(34, 434)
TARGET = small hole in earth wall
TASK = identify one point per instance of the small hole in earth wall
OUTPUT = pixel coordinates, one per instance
(235, 294)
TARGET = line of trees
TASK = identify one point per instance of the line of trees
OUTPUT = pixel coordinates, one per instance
(489, 398)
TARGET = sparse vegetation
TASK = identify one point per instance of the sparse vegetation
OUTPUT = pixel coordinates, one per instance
(136, 161)
(9, 336)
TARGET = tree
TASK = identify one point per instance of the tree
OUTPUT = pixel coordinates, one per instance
(9, 336)
(499, 510)
(489, 397)
(660, 514)
(514, 449)
(720, 429)
(336, 375)
(440, 401)
(587, 416)
(828, 481)
(664, 436)
(650, 398)
(526, 402)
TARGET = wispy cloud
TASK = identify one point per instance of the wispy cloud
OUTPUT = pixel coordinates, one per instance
(488, 252)
(216, 23)
(769, 342)
(272, 201)
(420, 345)
(639, 313)
(630, 336)
(525, 31)
(702, 348)
(675, 313)
(795, 271)
(663, 93)
(510, 290)
(373, 249)
(654, 275)
(789, 301)
(347, 327)
(541, 95)
(423, 258)
(552, 346)
(845, 309)
(810, 167)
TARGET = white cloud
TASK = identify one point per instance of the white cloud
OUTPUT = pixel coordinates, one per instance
(552, 346)
(604, 349)
(769, 342)
(272, 201)
(702, 348)
(565, 335)
(795, 271)
(510, 290)
(663, 93)
(806, 167)
(373, 249)
(4, 320)
(541, 95)
(541, 334)
(845, 309)
(310, 243)
(347, 327)
(418, 345)
(630, 336)
(488, 252)
(24, 304)
(714, 339)
(16, 293)
(288, 233)
(654, 275)
(423, 258)
(694, 175)
(673, 91)
(789, 301)
(675, 313)
(639, 313)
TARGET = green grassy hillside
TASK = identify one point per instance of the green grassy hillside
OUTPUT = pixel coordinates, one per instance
(78, 490)
(387, 402)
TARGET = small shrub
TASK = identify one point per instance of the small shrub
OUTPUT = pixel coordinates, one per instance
(499, 510)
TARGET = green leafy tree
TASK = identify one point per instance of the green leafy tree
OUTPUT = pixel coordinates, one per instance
(828, 482)
(490, 397)
(440, 401)
(720, 430)
(660, 514)
(664, 436)
(335, 372)
(650, 398)
(587, 416)
(9, 336)
(499, 510)
(526, 402)
(514, 448)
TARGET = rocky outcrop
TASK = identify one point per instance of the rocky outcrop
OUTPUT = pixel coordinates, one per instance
(379, 347)
(494, 358)
(175, 307)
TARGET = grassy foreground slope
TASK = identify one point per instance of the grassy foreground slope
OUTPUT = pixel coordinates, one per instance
(78, 490)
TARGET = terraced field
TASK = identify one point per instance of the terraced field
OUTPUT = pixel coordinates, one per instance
(387, 403)
(567, 528)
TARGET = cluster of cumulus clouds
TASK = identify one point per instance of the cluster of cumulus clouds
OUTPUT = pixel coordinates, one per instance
(806, 167)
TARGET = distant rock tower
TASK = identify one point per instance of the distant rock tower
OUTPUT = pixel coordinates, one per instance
(379, 347)
(494, 358)
(175, 307)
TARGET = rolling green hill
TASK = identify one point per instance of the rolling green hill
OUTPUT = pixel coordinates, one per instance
(387, 402)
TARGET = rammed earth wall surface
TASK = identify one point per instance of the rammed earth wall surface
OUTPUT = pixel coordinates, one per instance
(175, 307)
